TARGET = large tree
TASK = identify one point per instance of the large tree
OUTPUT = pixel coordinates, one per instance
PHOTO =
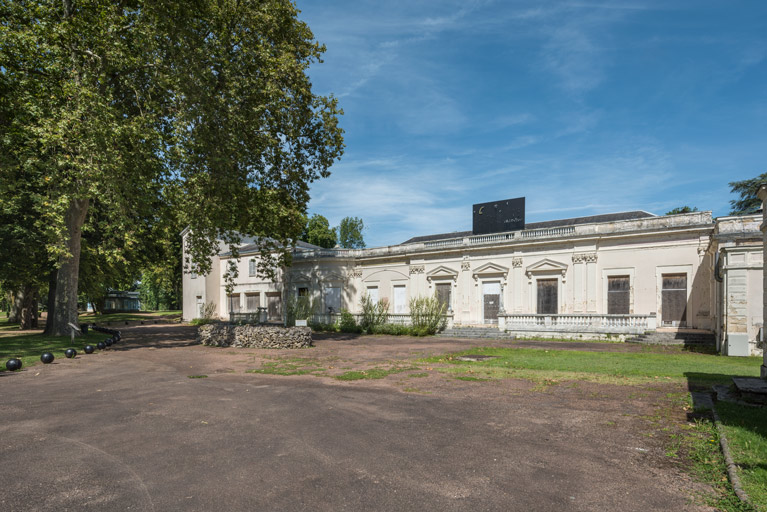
(319, 232)
(205, 104)
(350, 233)
(748, 202)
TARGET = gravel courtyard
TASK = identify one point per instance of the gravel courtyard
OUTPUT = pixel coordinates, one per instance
(160, 423)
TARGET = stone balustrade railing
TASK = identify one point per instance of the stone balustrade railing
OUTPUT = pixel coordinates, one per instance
(587, 322)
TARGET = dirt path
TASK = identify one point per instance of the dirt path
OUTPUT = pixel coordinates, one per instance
(128, 429)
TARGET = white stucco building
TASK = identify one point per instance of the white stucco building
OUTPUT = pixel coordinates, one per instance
(616, 274)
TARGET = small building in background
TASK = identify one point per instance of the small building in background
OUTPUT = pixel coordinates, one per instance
(118, 301)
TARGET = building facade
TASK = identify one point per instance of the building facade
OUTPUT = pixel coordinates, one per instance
(600, 276)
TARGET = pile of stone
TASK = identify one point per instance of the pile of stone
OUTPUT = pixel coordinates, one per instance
(254, 336)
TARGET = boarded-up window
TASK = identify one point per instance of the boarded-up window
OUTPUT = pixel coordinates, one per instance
(674, 299)
(618, 295)
(234, 303)
(333, 299)
(491, 293)
(252, 302)
(252, 267)
(373, 294)
(273, 307)
(303, 291)
(400, 300)
(547, 297)
(443, 294)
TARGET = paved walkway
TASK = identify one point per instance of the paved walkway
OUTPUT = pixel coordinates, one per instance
(128, 429)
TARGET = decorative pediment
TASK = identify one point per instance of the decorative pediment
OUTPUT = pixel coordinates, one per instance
(490, 269)
(442, 272)
(546, 266)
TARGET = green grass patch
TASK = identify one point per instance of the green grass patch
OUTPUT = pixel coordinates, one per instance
(373, 373)
(609, 367)
(469, 378)
(746, 431)
(417, 375)
(136, 316)
(29, 347)
(197, 376)
(306, 367)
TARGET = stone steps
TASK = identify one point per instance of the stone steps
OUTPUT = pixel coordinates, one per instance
(475, 333)
(675, 338)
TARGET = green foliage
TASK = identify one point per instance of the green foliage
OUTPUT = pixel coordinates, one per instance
(427, 314)
(299, 308)
(319, 232)
(747, 189)
(202, 321)
(131, 116)
(347, 323)
(350, 233)
(373, 313)
(682, 209)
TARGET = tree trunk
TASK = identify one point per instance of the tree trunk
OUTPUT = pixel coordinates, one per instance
(51, 301)
(24, 310)
(65, 309)
(16, 304)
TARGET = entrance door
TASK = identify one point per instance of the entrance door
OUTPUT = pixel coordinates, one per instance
(492, 301)
(548, 301)
(443, 294)
(333, 299)
(274, 307)
(674, 299)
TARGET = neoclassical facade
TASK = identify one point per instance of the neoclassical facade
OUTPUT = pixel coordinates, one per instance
(624, 273)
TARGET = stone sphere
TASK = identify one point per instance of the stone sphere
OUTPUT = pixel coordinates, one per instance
(13, 364)
(108, 342)
(89, 349)
(70, 353)
(46, 358)
(101, 345)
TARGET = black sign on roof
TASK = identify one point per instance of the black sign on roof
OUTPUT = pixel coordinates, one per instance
(499, 216)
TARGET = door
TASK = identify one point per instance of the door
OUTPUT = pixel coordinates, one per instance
(548, 301)
(443, 294)
(618, 295)
(674, 299)
(400, 300)
(234, 303)
(491, 293)
(373, 294)
(200, 305)
(273, 307)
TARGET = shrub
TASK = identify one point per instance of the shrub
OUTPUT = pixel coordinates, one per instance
(321, 327)
(347, 323)
(427, 315)
(373, 313)
(202, 321)
(301, 308)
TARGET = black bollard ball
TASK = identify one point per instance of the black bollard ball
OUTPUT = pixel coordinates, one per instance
(115, 339)
(46, 358)
(13, 364)
(70, 353)
(108, 342)
(101, 345)
(89, 349)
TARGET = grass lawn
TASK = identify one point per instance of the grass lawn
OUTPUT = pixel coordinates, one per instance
(699, 370)
(128, 317)
(746, 431)
(29, 347)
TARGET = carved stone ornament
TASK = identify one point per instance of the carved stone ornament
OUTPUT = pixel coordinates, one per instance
(585, 257)
(417, 269)
(516, 262)
(466, 265)
(356, 272)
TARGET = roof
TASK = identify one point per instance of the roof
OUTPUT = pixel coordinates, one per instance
(605, 217)
(254, 247)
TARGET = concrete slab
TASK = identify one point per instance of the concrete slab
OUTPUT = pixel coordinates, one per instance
(751, 389)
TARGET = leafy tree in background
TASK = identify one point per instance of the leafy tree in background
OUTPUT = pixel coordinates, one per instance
(682, 209)
(748, 202)
(135, 108)
(350, 233)
(319, 232)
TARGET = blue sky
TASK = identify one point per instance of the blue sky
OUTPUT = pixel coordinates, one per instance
(582, 107)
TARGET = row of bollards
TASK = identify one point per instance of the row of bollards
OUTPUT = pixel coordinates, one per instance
(14, 363)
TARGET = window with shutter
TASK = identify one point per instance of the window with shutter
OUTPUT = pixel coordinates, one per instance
(618, 295)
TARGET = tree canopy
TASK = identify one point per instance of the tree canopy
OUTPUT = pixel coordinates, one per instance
(748, 202)
(134, 108)
(350, 233)
(682, 209)
(319, 232)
